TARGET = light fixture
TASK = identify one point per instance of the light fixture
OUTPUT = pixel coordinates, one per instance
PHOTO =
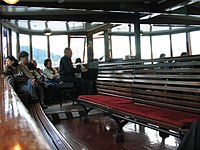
(47, 32)
(11, 1)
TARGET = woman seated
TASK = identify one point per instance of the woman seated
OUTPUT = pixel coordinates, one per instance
(23, 78)
(52, 77)
(78, 64)
(50, 72)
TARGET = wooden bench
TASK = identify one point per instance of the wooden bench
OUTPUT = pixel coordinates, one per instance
(18, 129)
(53, 136)
(160, 94)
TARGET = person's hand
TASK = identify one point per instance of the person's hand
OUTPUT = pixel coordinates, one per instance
(32, 71)
(55, 76)
(33, 82)
(84, 70)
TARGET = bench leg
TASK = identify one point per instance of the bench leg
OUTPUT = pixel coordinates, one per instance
(56, 118)
(66, 93)
(119, 137)
(182, 132)
(84, 118)
(163, 135)
(120, 124)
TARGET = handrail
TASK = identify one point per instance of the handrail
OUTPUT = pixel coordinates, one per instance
(18, 129)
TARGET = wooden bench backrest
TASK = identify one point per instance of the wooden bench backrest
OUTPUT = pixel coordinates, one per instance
(115, 79)
(170, 83)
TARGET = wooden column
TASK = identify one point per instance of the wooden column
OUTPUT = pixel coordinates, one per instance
(18, 44)
(188, 43)
(48, 47)
(151, 48)
(137, 37)
(170, 42)
(31, 47)
(9, 42)
(130, 43)
(1, 47)
(90, 48)
(106, 45)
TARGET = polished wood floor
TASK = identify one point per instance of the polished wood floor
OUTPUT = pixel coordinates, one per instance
(98, 134)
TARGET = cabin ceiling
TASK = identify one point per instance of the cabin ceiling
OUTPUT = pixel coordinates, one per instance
(178, 12)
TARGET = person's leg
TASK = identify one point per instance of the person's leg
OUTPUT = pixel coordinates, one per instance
(54, 90)
(41, 95)
(191, 139)
(27, 87)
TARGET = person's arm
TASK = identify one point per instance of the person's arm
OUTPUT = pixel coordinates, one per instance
(48, 73)
(66, 67)
(26, 72)
(7, 70)
(56, 74)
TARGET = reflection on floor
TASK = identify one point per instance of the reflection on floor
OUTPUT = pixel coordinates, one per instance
(98, 134)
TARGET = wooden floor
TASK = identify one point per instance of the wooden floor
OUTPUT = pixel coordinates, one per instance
(98, 134)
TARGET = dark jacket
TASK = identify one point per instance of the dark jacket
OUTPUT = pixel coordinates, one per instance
(67, 71)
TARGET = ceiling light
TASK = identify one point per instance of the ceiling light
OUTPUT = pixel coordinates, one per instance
(11, 1)
(47, 32)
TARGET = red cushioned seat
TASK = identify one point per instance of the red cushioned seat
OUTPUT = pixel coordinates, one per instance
(169, 116)
(174, 117)
(105, 100)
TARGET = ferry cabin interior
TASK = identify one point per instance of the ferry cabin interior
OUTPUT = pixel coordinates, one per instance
(140, 77)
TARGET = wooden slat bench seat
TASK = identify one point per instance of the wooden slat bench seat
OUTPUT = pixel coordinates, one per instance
(53, 136)
(18, 128)
(163, 94)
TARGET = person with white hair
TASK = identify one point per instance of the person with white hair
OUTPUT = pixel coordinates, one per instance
(67, 71)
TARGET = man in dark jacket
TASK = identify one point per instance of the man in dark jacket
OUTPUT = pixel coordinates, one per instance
(67, 71)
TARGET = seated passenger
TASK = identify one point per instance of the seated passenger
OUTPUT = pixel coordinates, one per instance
(67, 71)
(37, 72)
(50, 72)
(52, 77)
(41, 78)
(23, 57)
(25, 81)
(79, 65)
(184, 54)
(162, 61)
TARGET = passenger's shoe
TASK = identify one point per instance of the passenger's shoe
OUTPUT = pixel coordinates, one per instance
(34, 100)
(44, 106)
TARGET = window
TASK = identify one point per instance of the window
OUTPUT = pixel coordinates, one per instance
(160, 28)
(98, 48)
(161, 44)
(57, 50)
(195, 42)
(14, 44)
(57, 25)
(77, 46)
(145, 47)
(122, 27)
(178, 44)
(24, 43)
(133, 45)
(39, 44)
(120, 46)
(5, 48)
